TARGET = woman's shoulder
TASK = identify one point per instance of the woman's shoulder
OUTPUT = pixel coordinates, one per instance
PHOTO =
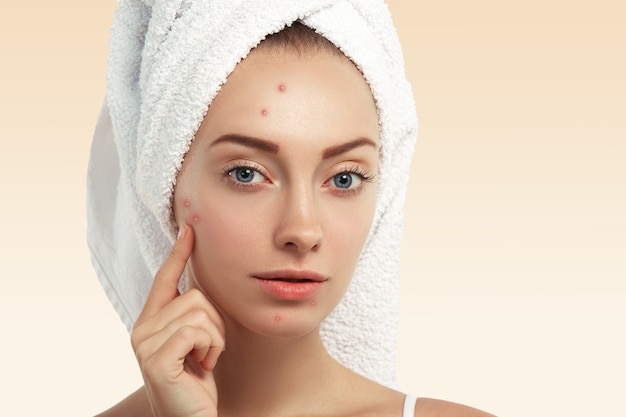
(440, 408)
(366, 398)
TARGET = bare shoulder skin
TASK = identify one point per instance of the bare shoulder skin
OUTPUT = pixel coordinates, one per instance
(135, 405)
(374, 399)
(428, 407)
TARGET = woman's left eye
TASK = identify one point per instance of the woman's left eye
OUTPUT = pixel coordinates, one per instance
(347, 180)
(350, 181)
(246, 175)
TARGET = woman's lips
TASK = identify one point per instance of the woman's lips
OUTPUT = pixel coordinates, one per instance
(290, 284)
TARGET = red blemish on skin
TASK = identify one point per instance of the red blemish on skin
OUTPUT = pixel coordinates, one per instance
(195, 219)
(277, 318)
(313, 303)
(281, 87)
(186, 203)
(264, 112)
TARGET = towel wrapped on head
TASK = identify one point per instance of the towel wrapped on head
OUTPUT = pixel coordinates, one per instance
(168, 60)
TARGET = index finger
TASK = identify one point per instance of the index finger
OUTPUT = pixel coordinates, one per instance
(165, 286)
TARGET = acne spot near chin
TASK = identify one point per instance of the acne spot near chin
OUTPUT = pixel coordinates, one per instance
(195, 218)
(281, 87)
(313, 303)
(186, 203)
(263, 112)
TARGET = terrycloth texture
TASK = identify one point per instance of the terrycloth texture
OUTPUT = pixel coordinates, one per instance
(167, 62)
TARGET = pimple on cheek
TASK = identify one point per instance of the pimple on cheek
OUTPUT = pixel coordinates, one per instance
(193, 217)
(277, 318)
(264, 112)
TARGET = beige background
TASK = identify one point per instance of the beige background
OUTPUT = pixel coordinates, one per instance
(514, 257)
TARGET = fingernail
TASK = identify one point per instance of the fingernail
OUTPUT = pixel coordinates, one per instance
(182, 232)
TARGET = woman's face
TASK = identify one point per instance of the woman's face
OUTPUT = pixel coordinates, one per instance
(279, 189)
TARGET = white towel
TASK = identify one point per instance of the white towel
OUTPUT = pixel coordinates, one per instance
(167, 62)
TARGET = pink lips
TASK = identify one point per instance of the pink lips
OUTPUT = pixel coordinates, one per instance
(290, 284)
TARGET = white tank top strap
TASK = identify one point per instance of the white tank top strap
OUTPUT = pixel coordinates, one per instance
(409, 406)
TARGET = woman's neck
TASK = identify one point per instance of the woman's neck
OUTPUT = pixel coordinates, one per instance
(259, 375)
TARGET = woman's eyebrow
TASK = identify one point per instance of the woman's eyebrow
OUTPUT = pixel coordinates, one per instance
(345, 147)
(260, 144)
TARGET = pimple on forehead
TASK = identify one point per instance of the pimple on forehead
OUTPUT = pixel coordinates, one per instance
(281, 88)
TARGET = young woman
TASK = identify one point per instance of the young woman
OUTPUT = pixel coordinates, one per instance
(272, 206)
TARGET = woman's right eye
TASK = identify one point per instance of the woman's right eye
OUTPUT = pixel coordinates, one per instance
(245, 175)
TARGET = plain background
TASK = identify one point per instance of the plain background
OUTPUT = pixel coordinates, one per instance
(514, 255)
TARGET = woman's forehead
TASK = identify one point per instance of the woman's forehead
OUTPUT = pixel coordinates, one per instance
(285, 95)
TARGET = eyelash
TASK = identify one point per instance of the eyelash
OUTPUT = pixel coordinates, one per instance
(243, 165)
(364, 176)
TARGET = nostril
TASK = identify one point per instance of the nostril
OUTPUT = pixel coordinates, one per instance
(302, 243)
(299, 228)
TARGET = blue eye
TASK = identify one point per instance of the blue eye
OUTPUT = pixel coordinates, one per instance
(350, 181)
(345, 179)
(245, 175)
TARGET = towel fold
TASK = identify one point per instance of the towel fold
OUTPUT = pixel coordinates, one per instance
(168, 60)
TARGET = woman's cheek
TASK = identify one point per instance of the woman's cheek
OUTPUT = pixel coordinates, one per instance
(349, 239)
(189, 215)
(224, 230)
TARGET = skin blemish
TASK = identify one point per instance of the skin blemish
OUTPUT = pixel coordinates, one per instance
(277, 318)
(313, 303)
(281, 87)
(195, 218)
(186, 203)
(264, 112)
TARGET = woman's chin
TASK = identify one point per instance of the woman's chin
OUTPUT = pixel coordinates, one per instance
(281, 322)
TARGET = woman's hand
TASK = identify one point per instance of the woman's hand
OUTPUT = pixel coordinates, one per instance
(177, 340)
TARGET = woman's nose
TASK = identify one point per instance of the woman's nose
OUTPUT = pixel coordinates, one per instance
(299, 226)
